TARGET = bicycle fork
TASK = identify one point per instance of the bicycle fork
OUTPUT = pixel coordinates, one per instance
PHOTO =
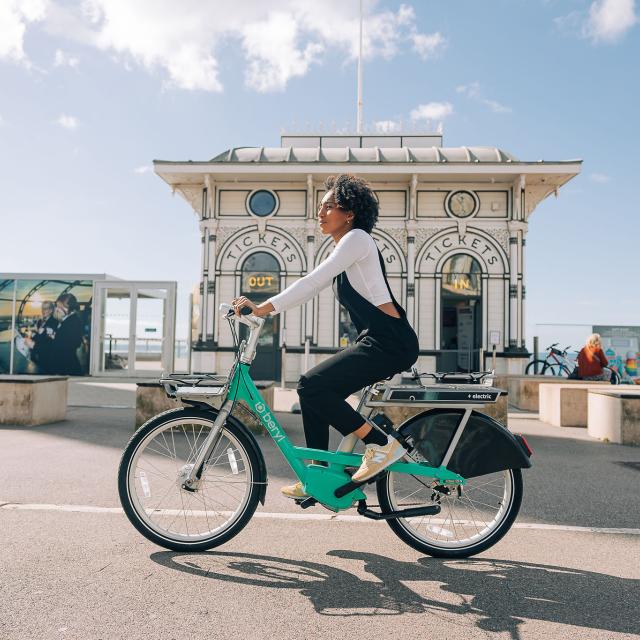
(192, 478)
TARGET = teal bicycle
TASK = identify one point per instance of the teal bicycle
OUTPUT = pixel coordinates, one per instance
(191, 478)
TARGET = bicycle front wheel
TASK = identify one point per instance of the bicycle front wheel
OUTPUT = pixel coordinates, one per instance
(155, 464)
(472, 518)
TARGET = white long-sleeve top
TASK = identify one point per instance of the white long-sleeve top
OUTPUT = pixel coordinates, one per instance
(357, 254)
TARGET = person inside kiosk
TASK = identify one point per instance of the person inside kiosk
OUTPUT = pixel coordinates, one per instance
(386, 343)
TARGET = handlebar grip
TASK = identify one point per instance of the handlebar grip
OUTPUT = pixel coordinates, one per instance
(245, 311)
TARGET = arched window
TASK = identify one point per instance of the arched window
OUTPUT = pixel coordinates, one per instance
(461, 314)
(260, 274)
(260, 280)
(461, 275)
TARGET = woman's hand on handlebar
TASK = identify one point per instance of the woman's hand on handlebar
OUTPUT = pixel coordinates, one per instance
(243, 301)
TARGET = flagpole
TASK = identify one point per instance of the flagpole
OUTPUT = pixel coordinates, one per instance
(359, 115)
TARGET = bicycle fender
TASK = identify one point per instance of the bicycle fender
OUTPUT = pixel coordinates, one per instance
(484, 447)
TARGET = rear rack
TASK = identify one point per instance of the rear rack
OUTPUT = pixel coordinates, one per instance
(451, 389)
(435, 394)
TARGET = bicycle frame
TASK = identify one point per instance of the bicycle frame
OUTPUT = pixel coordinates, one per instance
(558, 358)
(319, 481)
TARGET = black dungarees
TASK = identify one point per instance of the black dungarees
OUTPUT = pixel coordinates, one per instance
(385, 346)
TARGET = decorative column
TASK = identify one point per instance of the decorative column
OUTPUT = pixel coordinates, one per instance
(311, 205)
(207, 289)
(437, 338)
(411, 278)
(310, 253)
(211, 284)
(308, 309)
(523, 293)
(513, 290)
(204, 268)
(411, 251)
(413, 197)
(515, 268)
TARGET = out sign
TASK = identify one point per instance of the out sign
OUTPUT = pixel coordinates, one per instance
(261, 282)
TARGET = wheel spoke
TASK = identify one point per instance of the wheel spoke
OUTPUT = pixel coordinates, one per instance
(464, 519)
(218, 498)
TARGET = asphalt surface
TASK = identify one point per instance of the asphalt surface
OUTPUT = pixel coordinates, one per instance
(89, 574)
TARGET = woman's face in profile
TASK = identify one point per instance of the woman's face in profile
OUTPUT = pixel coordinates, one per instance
(61, 311)
(331, 217)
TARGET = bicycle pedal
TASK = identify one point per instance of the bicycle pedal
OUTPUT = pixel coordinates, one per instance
(307, 502)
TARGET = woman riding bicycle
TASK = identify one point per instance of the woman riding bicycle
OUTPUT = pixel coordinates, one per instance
(386, 343)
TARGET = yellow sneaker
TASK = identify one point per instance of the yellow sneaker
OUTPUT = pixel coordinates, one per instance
(377, 458)
(294, 491)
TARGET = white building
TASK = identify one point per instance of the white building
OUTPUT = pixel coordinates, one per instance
(452, 228)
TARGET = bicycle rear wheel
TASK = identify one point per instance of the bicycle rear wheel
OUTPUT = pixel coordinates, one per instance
(532, 368)
(472, 518)
(153, 468)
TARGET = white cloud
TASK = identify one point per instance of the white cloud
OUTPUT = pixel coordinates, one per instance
(67, 122)
(470, 90)
(280, 39)
(600, 178)
(63, 59)
(609, 20)
(495, 106)
(473, 91)
(428, 45)
(15, 15)
(387, 126)
(571, 24)
(432, 111)
(145, 168)
(271, 67)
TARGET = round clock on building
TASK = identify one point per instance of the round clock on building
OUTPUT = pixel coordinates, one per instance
(462, 204)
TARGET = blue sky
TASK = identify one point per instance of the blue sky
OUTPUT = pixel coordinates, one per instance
(91, 92)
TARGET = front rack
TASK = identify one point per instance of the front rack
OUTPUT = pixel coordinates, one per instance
(194, 386)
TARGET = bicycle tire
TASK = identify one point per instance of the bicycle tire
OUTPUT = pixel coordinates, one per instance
(406, 535)
(256, 474)
(561, 371)
(554, 369)
(530, 370)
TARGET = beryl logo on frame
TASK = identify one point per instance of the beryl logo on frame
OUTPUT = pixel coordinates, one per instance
(268, 421)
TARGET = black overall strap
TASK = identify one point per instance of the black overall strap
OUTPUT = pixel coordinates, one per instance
(384, 275)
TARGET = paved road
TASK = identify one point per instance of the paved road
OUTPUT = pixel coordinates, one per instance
(88, 574)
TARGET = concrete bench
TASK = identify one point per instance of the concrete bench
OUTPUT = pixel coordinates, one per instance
(31, 400)
(614, 415)
(524, 391)
(566, 405)
(151, 400)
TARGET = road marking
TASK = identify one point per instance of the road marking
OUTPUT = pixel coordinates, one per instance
(101, 406)
(81, 508)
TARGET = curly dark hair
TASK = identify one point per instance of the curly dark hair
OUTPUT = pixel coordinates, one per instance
(354, 194)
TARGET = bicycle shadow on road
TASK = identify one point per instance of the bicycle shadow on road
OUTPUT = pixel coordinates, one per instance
(495, 595)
